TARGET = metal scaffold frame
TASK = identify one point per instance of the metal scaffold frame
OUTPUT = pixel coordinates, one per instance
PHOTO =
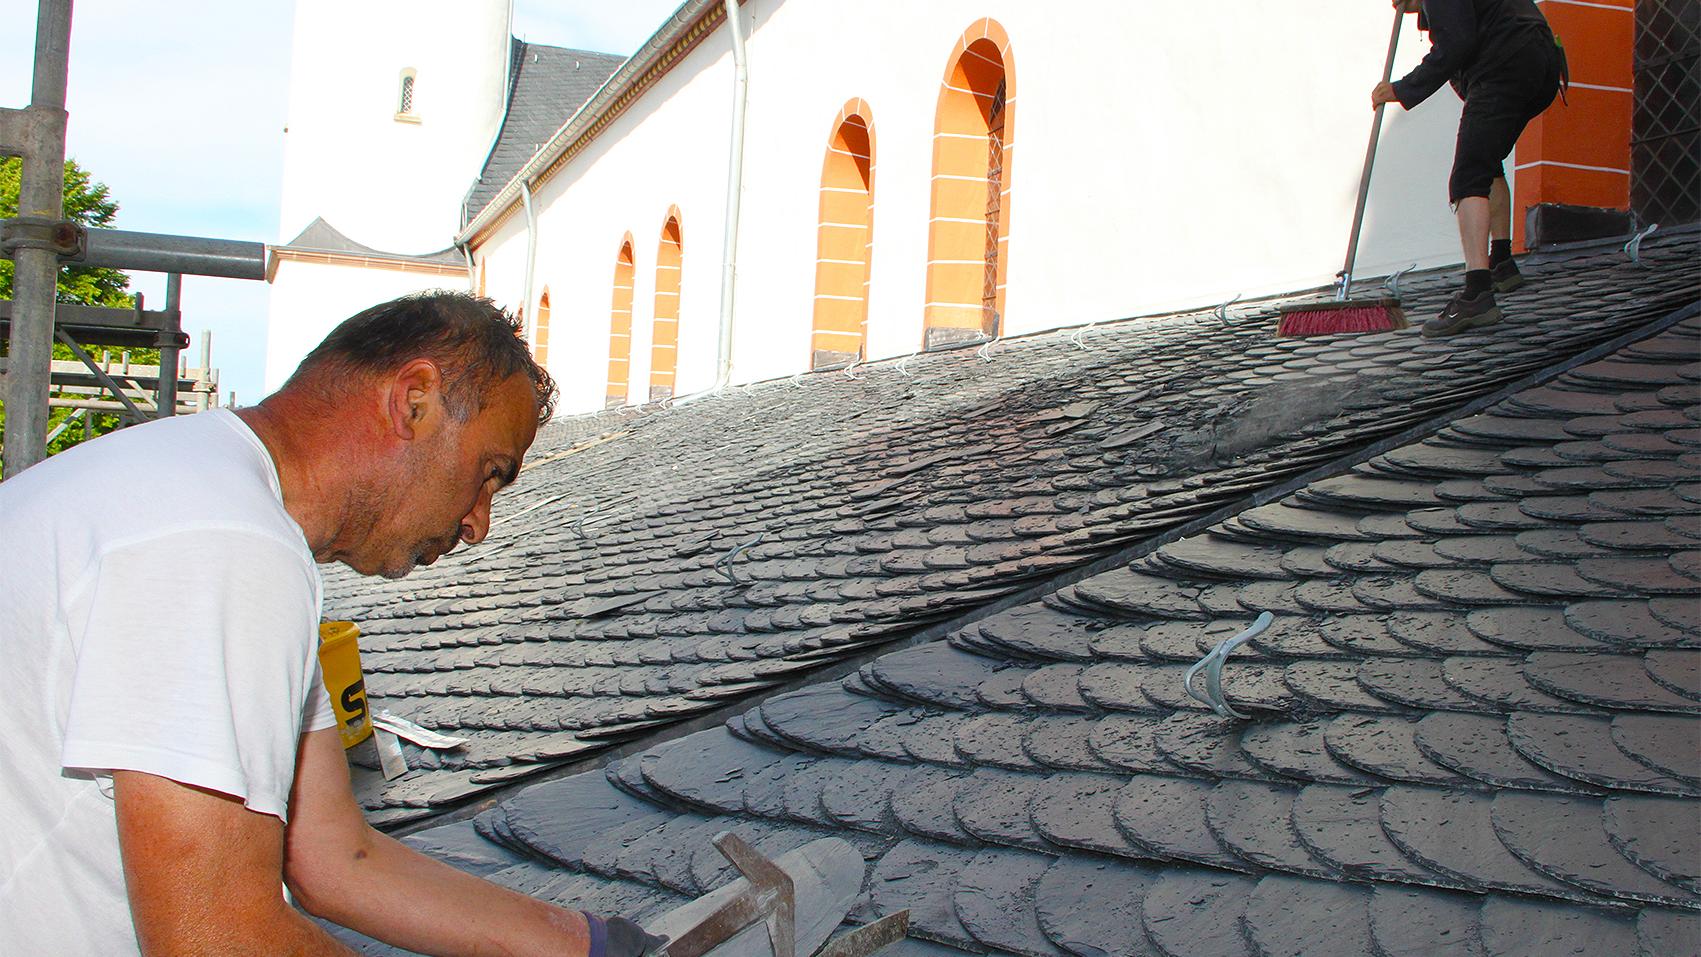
(39, 240)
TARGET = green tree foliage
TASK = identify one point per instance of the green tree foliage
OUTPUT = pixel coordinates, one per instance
(88, 203)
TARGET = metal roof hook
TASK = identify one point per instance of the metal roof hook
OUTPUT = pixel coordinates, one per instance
(850, 370)
(1633, 248)
(1221, 311)
(1212, 665)
(797, 380)
(984, 353)
(1079, 336)
(723, 565)
(1392, 283)
(903, 365)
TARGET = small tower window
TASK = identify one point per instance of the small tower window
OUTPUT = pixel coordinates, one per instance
(404, 97)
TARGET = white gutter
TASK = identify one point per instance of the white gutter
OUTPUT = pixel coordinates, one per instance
(531, 244)
(734, 193)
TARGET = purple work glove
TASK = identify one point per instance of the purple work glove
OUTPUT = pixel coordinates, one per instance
(619, 937)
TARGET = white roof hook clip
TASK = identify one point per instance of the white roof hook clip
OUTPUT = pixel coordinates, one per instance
(1221, 311)
(850, 370)
(902, 366)
(1392, 283)
(984, 353)
(1633, 248)
(1079, 336)
(1212, 665)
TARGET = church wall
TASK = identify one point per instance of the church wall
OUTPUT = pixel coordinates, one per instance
(309, 299)
(1158, 162)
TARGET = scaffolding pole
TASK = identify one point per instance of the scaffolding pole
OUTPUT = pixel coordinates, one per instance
(41, 198)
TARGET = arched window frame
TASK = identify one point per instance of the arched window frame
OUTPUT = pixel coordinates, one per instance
(407, 96)
(664, 337)
(844, 240)
(620, 326)
(968, 239)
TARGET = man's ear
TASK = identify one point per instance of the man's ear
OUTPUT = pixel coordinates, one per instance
(415, 400)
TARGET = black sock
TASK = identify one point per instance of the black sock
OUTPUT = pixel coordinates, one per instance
(1499, 250)
(1477, 281)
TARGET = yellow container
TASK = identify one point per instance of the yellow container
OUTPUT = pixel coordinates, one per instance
(339, 661)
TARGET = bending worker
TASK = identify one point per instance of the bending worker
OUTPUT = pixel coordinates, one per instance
(1504, 62)
(171, 758)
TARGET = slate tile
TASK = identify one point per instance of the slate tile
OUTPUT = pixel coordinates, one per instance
(993, 807)
(1197, 913)
(1252, 820)
(859, 795)
(1415, 683)
(1649, 576)
(1659, 836)
(1333, 686)
(1670, 744)
(1518, 928)
(1387, 747)
(996, 901)
(1466, 587)
(1296, 917)
(996, 740)
(1342, 826)
(933, 740)
(1063, 742)
(1668, 932)
(1217, 557)
(1680, 613)
(1439, 634)
(1406, 922)
(708, 769)
(1090, 907)
(1565, 838)
(1297, 750)
(1606, 681)
(1166, 817)
(1678, 671)
(1452, 832)
(824, 717)
(1041, 632)
(934, 673)
(1501, 683)
(1625, 623)
(1477, 746)
(561, 820)
(1581, 747)
(1078, 811)
(926, 809)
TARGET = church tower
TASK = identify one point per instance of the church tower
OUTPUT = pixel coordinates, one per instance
(393, 106)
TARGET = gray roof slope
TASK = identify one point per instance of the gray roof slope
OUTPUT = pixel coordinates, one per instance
(546, 86)
(1474, 728)
(620, 592)
(321, 236)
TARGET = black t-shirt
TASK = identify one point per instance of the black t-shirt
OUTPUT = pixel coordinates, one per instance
(1469, 39)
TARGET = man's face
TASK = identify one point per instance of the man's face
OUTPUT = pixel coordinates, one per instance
(441, 494)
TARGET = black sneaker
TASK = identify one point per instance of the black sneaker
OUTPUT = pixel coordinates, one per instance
(1506, 276)
(1462, 314)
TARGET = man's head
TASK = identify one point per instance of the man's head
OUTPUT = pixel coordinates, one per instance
(439, 399)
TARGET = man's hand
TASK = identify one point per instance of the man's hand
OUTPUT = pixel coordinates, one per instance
(1383, 93)
(203, 873)
(1408, 6)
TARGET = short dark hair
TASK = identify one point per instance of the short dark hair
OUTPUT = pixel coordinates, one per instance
(475, 343)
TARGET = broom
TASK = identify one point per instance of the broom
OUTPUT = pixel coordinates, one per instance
(1351, 315)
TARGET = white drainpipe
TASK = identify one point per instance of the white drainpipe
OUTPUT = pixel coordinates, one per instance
(734, 189)
(531, 243)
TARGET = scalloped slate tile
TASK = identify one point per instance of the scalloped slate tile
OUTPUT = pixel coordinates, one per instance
(860, 796)
(1629, 623)
(559, 819)
(927, 808)
(1333, 686)
(1657, 834)
(996, 902)
(1297, 917)
(1079, 810)
(923, 877)
(1253, 820)
(1342, 826)
(1405, 922)
(1566, 839)
(1477, 746)
(935, 673)
(1091, 907)
(1582, 747)
(1129, 742)
(1664, 932)
(1197, 913)
(1453, 832)
(1501, 683)
(1166, 816)
(994, 808)
(824, 716)
(1416, 683)
(708, 769)
(1388, 747)
(1607, 681)
(1298, 750)
(1670, 744)
(1063, 742)
(1516, 928)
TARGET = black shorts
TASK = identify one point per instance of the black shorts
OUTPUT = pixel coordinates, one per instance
(1498, 105)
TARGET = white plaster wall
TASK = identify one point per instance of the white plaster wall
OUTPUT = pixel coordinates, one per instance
(392, 185)
(308, 300)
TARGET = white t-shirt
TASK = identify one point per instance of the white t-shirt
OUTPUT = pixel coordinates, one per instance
(158, 612)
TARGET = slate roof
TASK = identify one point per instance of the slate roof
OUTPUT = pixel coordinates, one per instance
(321, 237)
(1475, 725)
(685, 560)
(547, 85)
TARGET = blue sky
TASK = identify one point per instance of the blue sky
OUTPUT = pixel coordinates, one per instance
(179, 108)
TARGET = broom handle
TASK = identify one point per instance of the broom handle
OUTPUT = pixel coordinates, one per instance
(1346, 275)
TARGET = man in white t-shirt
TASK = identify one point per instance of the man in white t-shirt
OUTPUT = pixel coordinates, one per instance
(169, 752)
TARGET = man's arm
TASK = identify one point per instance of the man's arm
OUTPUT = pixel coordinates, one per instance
(1453, 43)
(202, 873)
(341, 869)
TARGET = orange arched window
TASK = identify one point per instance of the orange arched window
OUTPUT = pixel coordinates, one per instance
(540, 330)
(969, 232)
(842, 240)
(620, 327)
(664, 342)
